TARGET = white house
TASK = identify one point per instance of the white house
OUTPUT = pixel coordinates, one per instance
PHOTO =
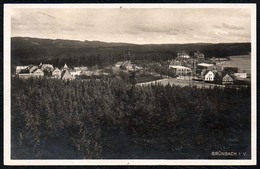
(75, 73)
(56, 73)
(209, 76)
(240, 75)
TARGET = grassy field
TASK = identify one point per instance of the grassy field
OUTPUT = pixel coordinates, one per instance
(178, 82)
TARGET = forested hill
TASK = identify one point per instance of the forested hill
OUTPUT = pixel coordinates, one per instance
(26, 50)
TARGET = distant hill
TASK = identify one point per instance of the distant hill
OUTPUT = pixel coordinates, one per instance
(25, 50)
(26, 42)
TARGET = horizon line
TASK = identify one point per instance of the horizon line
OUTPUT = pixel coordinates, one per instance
(128, 42)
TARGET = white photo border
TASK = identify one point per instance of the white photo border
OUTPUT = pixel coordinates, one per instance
(7, 90)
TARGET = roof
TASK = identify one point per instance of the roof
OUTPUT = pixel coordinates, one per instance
(56, 69)
(46, 65)
(127, 63)
(207, 71)
(205, 64)
(183, 55)
(119, 63)
(66, 75)
(179, 67)
(81, 68)
(21, 67)
(36, 70)
(33, 68)
(232, 76)
(65, 66)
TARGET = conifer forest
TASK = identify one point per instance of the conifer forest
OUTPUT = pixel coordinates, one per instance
(110, 118)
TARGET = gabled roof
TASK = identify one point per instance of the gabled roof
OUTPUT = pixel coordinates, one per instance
(127, 63)
(66, 75)
(119, 63)
(36, 70)
(215, 73)
(207, 71)
(46, 65)
(65, 66)
(227, 74)
(24, 71)
(56, 69)
(32, 68)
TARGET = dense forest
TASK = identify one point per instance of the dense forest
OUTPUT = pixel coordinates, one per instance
(110, 118)
(26, 51)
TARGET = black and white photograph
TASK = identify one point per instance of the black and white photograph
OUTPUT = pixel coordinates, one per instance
(130, 84)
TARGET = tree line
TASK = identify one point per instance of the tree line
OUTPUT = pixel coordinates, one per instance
(26, 51)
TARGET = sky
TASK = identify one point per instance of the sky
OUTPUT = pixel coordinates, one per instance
(135, 25)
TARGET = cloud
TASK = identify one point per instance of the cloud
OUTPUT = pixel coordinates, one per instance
(228, 26)
(82, 24)
(233, 27)
(216, 26)
(173, 32)
(127, 25)
(131, 32)
(156, 29)
(47, 15)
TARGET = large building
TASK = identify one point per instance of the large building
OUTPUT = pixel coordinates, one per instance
(181, 70)
(201, 68)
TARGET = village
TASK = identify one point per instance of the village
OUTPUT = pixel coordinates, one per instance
(184, 68)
